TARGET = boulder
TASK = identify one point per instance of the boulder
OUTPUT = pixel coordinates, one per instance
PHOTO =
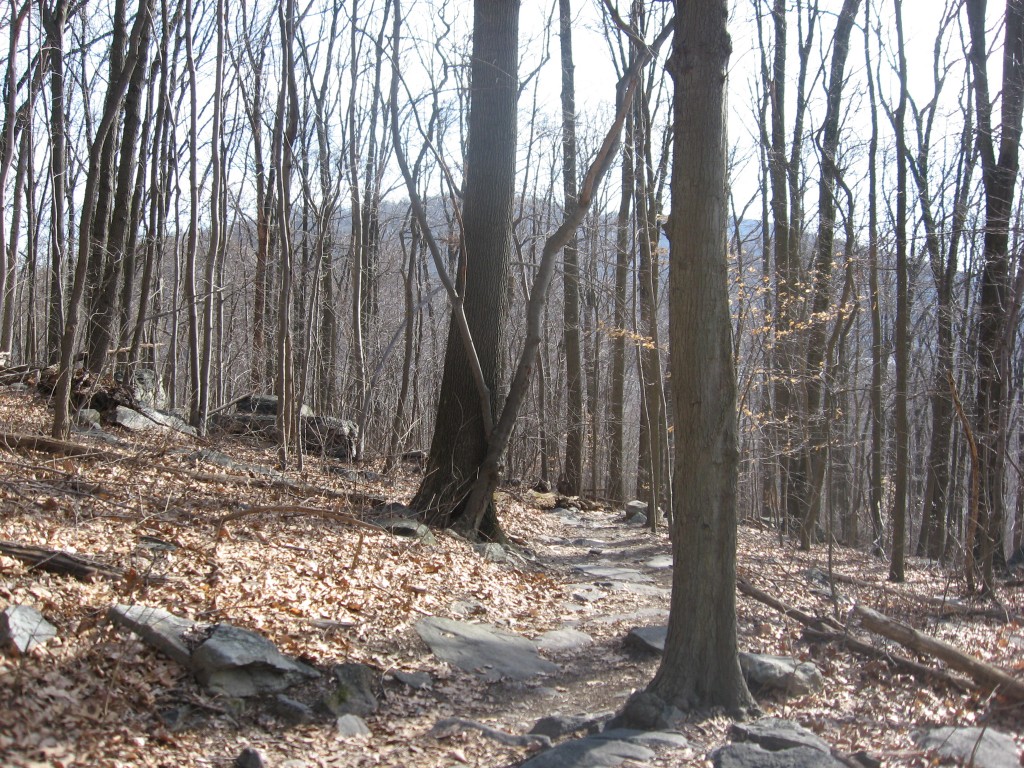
(781, 673)
(143, 419)
(338, 438)
(250, 758)
(23, 627)
(774, 733)
(647, 639)
(981, 747)
(634, 508)
(146, 388)
(753, 756)
(239, 663)
(265, 405)
(353, 693)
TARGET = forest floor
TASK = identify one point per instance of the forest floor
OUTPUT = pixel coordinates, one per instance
(299, 569)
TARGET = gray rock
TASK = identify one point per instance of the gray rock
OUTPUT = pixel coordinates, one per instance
(774, 733)
(563, 640)
(143, 419)
(25, 628)
(419, 681)
(647, 639)
(491, 552)
(645, 738)
(329, 436)
(265, 405)
(640, 521)
(353, 693)
(146, 387)
(250, 758)
(245, 423)
(634, 508)
(781, 673)
(239, 663)
(981, 747)
(407, 527)
(289, 710)
(175, 718)
(661, 562)
(468, 608)
(586, 593)
(556, 726)
(473, 647)
(753, 756)
(162, 630)
(614, 573)
(88, 418)
(350, 726)
(589, 752)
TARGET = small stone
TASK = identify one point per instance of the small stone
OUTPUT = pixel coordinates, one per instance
(647, 639)
(491, 552)
(419, 681)
(781, 673)
(250, 758)
(25, 628)
(981, 747)
(289, 710)
(350, 726)
(353, 694)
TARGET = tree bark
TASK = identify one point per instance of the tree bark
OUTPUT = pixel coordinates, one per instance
(700, 666)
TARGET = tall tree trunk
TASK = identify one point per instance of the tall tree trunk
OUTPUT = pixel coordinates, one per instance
(901, 427)
(700, 667)
(572, 476)
(823, 261)
(999, 177)
(459, 445)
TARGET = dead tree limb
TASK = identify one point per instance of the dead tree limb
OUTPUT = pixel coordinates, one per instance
(986, 675)
(13, 442)
(827, 629)
(57, 561)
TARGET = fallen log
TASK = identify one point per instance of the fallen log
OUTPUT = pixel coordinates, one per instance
(826, 629)
(13, 441)
(57, 561)
(986, 675)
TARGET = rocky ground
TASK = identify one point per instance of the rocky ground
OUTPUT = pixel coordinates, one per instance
(309, 560)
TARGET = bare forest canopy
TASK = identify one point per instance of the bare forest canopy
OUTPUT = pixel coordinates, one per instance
(211, 192)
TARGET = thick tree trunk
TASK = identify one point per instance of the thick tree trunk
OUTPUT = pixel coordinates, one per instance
(700, 667)
(459, 444)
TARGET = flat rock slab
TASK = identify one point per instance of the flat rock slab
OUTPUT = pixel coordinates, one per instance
(557, 726)
(753, 756)
(563, 640)
(614, 573)
(586, 593)
(982, 747)
(589, 752)
(649, 639)
(226, 659)
(781, 673)
(661, 562)
(25, 628)
(645, 738)
(774, 733)
(481, 647)
(162, 630)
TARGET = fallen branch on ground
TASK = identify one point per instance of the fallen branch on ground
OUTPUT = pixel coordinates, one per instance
(986, 675)
(16, 442)
(57, 561)
(827, 629)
